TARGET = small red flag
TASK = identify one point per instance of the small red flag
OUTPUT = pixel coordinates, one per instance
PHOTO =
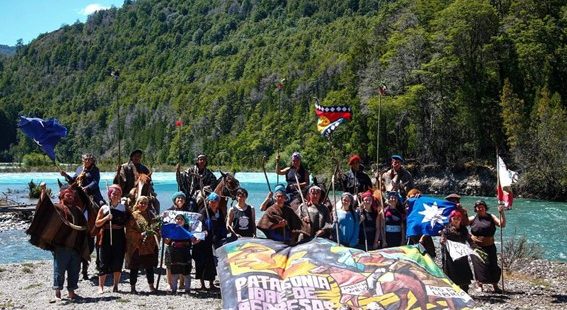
(280, 84)
(382, 90)
(178, 123)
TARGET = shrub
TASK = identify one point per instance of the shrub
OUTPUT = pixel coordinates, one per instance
(35, 160)
(518, 248)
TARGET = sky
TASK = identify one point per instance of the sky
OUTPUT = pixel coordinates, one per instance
(27, 19)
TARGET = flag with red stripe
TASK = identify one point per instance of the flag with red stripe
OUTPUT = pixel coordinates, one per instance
(331, 117)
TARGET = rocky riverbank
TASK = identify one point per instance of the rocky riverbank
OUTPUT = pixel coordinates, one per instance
(533, 284)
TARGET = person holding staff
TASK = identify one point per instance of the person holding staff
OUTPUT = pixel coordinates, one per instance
(483, 227)
(111, 237)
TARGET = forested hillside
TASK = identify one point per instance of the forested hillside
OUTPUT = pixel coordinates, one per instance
(463, 79)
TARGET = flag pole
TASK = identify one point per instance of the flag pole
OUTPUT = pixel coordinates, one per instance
(378, 129)
(333, 152)
(178, 125)
(279, 87)
(500, 216)
(116, 74)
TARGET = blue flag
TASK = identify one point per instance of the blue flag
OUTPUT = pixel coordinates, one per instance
(428, 216)
(175, 232)
(46, 133)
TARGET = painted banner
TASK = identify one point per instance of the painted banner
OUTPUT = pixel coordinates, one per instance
(458, 250)
(320, 274)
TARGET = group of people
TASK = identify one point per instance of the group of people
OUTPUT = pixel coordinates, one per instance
(363, 218)
(123, 232)
(481, 236)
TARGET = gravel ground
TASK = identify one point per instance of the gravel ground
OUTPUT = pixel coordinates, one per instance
(533, 284)
(538, 284)
(28, 286)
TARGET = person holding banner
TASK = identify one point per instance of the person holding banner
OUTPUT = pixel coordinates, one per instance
(111, 238)
(178, 257)
(457, 269)
(179, 200)
(483, 228)
(215, 226)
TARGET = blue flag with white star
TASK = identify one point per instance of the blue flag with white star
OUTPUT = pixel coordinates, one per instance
(428, 216)
(45, 133)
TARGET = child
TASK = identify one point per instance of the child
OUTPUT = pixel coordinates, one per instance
(178, 258)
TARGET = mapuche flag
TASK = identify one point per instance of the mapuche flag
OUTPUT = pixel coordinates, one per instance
(331, 117)
(45, 133)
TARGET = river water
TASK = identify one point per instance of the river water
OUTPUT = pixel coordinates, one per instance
(541, 222)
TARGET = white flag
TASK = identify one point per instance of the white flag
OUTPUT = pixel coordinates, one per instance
(505, 176)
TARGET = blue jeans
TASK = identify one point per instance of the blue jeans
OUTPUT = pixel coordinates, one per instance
(66, 260)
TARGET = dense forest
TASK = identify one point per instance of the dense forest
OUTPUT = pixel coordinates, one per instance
(463, 79)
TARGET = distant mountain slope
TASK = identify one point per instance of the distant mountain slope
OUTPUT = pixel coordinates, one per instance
(7, 50)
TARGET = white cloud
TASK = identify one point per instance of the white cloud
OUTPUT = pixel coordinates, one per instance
(93, 7)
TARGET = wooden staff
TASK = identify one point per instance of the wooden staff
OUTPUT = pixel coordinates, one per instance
(302, 200)
(265, 174)
(335, 207)
(110, 206)
(160, 263)
(361, 210)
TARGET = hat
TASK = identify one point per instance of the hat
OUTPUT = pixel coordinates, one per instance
(178, 194)
(64, 189)
(366, 194)
(398, 157)
(452, 197)
(455, 213)
(112, 188)
(349, 195)
(353, 158)
(203, 156)
(295, 155)
(314, 188)
(242, 191)
(279, 188)
(480, 203)
(88, 156)
(213, 197)
(136, 151)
